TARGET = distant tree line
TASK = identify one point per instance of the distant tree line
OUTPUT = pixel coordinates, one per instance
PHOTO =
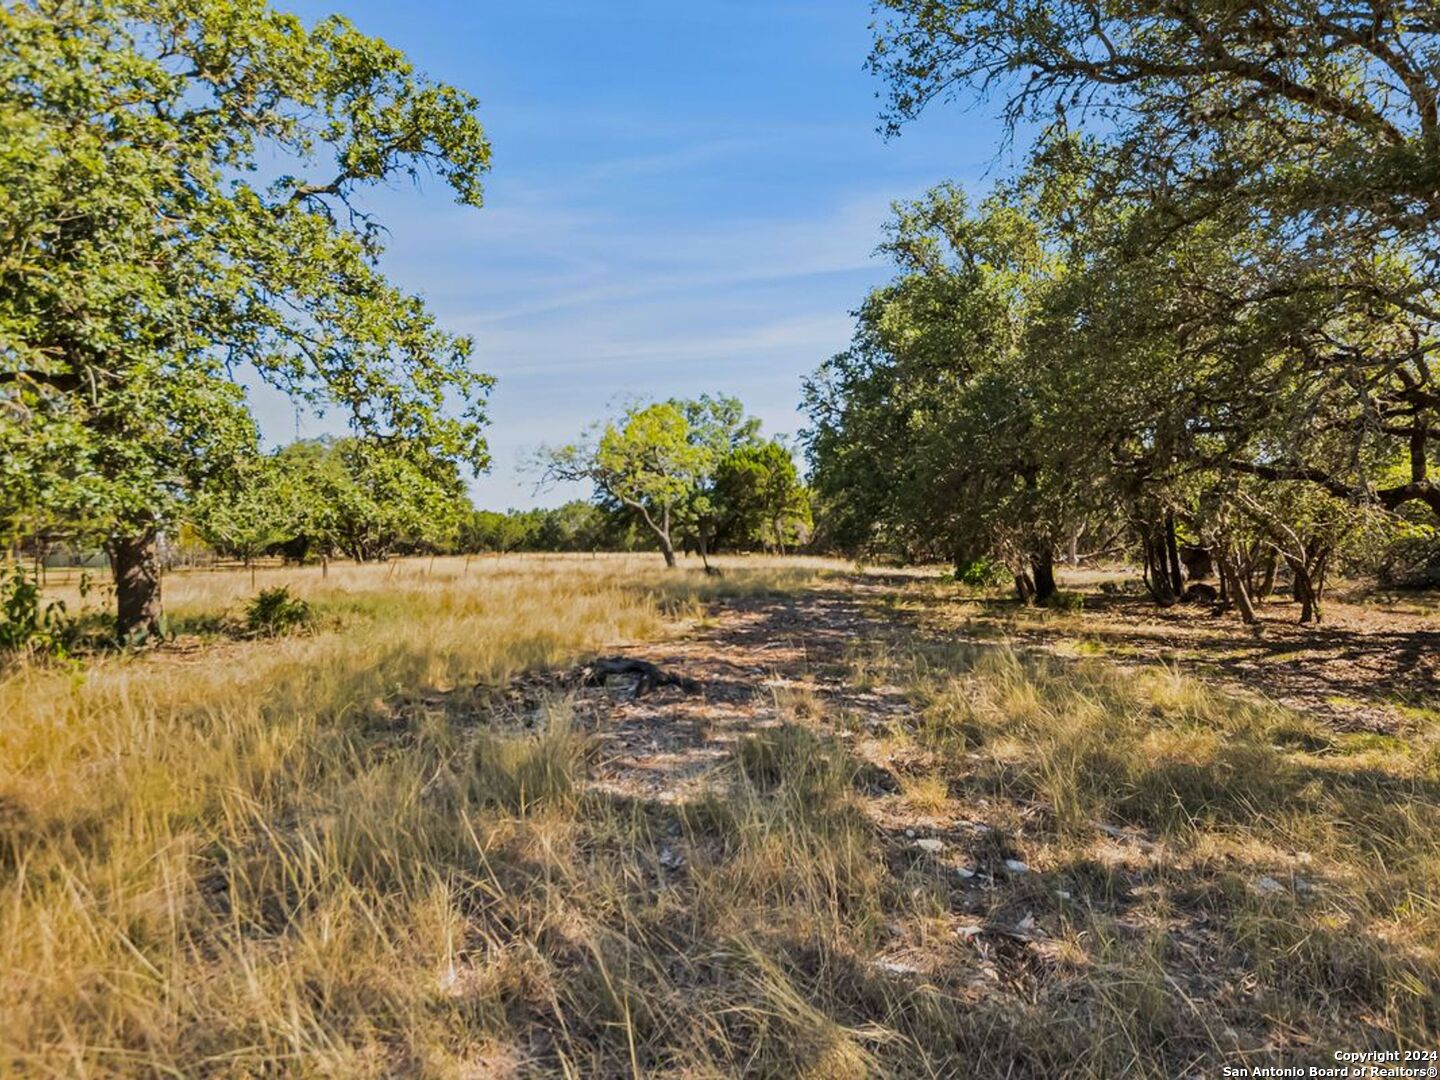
(573, 526)
(693, 476)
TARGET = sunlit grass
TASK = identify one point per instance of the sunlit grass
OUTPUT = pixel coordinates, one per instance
(265, 852)
(320, 855)
(1238, 879)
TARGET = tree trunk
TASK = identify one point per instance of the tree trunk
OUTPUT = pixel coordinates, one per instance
(1236, 588)
(1172, 557)
(1304, 592)
(1267, 578)
(1042, 567)
(1159, 578)
(668, 550)
(136, 566)
(702, 543)
(1025, 587)
(1309, 585)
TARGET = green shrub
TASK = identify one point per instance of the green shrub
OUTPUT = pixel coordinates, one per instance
(1066, 601)
(28, 622)
(277, 611)
(982, 573)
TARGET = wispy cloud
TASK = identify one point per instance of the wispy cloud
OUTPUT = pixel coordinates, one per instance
(685, 198)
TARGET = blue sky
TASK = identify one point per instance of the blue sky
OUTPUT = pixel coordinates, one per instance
(685, 197)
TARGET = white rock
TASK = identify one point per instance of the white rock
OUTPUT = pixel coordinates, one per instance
(964, 872)
(897, 967)
(910, 833)
(1268, 886)
(931, 845)
(1062, 894)
(1015, 866)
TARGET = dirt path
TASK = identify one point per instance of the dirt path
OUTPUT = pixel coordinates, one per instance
(757, 662)
(760, 661)
(763, 660)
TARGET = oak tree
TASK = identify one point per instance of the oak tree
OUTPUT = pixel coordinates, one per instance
(181, 209)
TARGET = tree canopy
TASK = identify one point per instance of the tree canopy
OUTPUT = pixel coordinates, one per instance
(693, 472)
(1204, 308)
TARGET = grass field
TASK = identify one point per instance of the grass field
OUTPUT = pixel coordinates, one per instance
(348, 853)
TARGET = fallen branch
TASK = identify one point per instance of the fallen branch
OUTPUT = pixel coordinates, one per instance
(648, 675)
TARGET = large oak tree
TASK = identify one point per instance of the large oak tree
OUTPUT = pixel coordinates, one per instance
(181, 209)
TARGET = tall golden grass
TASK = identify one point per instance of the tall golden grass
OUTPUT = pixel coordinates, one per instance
(248, 857)
(319, 856)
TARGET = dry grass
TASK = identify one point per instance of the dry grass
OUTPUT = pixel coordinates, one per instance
(321, 856)
(1210, 879)
(241, 857)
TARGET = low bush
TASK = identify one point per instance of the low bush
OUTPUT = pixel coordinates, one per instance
(30, 624)
(277, 611)
(982, 573)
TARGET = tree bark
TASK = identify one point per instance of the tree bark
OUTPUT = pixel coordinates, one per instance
(1236, 588)
(1042, 568)
(1309, 585)
(135, 563)
(661, 529)
(1172, 556)
(1025, 587)
(1158, 576)
(1267, 578)
(702, 542)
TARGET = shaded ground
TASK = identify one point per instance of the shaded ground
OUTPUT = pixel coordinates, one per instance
(1196, 917)
(1366, 668)
(762, 661)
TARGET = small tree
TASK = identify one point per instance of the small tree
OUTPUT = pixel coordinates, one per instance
(645, 461)
(762, 500)
(660, 462)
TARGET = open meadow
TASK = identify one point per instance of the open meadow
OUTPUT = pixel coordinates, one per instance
(894, 826)
(404, 668)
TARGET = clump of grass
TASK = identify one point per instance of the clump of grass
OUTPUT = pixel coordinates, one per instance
(798, 703)
(926, 793)
(1067, 601)
(277, 611)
